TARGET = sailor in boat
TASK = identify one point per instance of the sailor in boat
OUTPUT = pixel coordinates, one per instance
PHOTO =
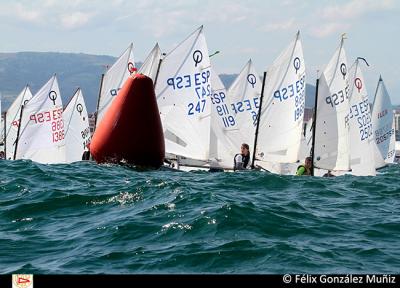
(2, 155)
(242, 159)
(305, 169)
(328, 174)
(86, 153)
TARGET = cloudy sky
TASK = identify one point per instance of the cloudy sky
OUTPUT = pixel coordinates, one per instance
(257, 29)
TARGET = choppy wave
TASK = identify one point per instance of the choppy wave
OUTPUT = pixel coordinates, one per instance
(88, 218)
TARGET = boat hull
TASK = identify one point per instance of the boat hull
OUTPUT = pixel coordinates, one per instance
(131, 130)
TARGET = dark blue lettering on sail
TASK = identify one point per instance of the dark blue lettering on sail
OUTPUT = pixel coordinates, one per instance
(198, 83)
(219, 104)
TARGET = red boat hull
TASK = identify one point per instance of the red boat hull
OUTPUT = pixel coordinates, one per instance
(131, 130)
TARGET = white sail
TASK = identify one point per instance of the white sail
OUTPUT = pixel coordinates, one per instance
(182, 89)
(224, 128)
(362, 160)
(12, 120)
(332, 151)
(383, 126)
(41, 136)
(281, 121)
(77, 131)
(113, 80)
(244, 96)
(150, 65)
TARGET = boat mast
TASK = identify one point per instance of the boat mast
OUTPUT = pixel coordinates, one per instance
(158, 70)
(376, 90)
(258, 120)
(5, 134)
(19, 129)
(98, 101)
(314, 127)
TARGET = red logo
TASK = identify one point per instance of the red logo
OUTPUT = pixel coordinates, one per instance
(22, 280)
(131, 67)
(358, 84)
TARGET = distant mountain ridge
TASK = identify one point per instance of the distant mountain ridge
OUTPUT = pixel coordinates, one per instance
(73, 70)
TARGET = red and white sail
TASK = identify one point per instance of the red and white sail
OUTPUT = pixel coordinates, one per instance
(113, 80)
(383, 126)
(12, 120)
(362, 160)
(42, 135)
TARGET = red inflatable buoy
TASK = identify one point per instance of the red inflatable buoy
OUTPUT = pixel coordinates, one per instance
(131, 129)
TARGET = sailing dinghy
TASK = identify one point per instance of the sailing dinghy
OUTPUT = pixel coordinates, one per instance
(224, 127)
(112, 81)
(77, 131)
(12, 121)
(41, 133)
(183, 88)
(383, 127)
(330, 144)
(280, 121)
(362, 160)
(244, 97)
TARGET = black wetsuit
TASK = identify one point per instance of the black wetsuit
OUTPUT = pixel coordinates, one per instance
(244, 163)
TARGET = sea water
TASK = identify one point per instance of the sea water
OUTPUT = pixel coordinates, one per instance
(85, 218)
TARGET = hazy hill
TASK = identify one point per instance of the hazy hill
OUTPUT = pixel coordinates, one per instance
(73, 70)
